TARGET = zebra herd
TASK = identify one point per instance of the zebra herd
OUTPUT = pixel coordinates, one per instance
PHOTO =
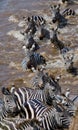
(37, 29)
(45, 106)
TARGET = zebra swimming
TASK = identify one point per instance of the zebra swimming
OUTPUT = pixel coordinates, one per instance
(59, 17)
(33, 22)
(39, 20)
(35, 59)
(32, 44)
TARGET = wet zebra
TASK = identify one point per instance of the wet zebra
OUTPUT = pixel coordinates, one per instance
(57, 43)
(38, 81)
(33, 23)
(68, 12)
(69, 61)
(68, 104)
(57, 16)
(32, 44)
(35, 59)
(60, 17)
(39, 20)
(30, 29)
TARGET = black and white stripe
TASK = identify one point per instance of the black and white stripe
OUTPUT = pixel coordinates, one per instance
(68, 104)
(19, 124)
(35, 60)
(39, 20)
(68, 12)
(57, 16)
(32, 59)
(15, 98)
(32, 44)
(48, 117)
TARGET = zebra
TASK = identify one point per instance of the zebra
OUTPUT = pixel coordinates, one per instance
(57, 43)
(68, 57)
(58, 17)
(68, 12)
(61, 17)
(19, 124)
(18, 96)
(69, 61)
(38, 81)
(35, 59)
(33, 22)
(39, 20)
(43, 79)
(32, 44)
(48, 117)
(30, 29)
(67, 103)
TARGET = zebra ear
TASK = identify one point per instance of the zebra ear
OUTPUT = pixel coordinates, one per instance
(5, 91)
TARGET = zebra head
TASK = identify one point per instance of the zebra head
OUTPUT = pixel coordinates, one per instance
(56, 13)
(68, 60)
(68, 104)
(54, 37)
(10, 103)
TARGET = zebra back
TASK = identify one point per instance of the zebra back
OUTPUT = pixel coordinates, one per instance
(68, 12)
(39, 20)
(49, 117)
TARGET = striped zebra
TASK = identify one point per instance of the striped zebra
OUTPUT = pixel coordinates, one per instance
(68, 12)
(48, 117)
(68, 104)
(18, 96)
(9, 121)
(32, 44)
(33, 22)
(60, 17)
(19, 124)
(39, 20)
(57, 43)
(38, 81)
(31, 28)
(57, 16)
(35, 60)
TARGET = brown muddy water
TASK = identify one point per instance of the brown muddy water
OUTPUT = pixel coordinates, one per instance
(11, 53)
